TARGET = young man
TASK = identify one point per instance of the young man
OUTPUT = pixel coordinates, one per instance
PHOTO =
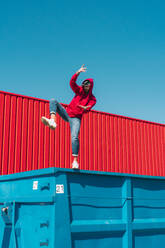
(82, 102)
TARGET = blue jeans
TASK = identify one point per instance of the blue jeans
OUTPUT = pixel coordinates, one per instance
(74, 122)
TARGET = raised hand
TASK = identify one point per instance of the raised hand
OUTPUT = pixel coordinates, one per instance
(82, 69)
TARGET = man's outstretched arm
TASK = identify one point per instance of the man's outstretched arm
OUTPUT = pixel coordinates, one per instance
(73, 84)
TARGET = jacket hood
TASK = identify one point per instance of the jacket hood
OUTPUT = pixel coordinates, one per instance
(91, 84)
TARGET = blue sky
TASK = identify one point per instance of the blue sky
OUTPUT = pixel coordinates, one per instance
(122, 43)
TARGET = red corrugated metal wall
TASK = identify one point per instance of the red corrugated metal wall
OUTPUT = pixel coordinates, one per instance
(107, 142)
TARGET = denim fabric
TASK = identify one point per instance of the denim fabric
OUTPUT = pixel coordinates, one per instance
(74, 122)
(56, 107)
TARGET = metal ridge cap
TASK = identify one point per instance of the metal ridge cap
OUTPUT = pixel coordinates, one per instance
(31, 173)
(24, 96)
(57, 170)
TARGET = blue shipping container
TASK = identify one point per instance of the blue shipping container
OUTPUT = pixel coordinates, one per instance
(60, 208)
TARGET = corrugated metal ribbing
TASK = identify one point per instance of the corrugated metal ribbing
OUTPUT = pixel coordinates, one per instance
(107, 142)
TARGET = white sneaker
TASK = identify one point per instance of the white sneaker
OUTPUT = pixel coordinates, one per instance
(75, 165)
(49, 122)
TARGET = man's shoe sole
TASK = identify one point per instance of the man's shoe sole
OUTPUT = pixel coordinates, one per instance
(52, 127)
(44, 121)
(75, 168)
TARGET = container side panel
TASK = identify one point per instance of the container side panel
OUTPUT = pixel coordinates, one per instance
(91, 141)
(149, 199)
(153, 166)
(159, 149)
(135, 148)
(88, 209)
(124, 146)
(147, 161)
(67, 146)
(99, 142)
(53, 143)
(18, 134)
(41, 151)
(95, 142)
(6, 129)
(112, 146)
(30, 135)
(128, 147)
(92, 198)
(139, 151)
(149, 239)
(35, 220)
(57, 143)
(2, 108)
(98, 240)
(108, 144)
(151, 169)
(11, 164)
(82, 144)
(143, 149)
(120, 144)
(162, 144)
(62, 142)
(116, 150)
(24, 135)
(86, 141)
(36, 135)
(104, 142)
(131, 151)
(46, 139)
(156, 151)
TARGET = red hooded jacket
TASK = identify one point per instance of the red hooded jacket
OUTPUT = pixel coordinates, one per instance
(81, 98)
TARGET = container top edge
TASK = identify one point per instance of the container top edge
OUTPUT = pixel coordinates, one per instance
(53, 170)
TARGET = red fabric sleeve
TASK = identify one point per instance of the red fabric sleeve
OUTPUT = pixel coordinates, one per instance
(73, 85)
